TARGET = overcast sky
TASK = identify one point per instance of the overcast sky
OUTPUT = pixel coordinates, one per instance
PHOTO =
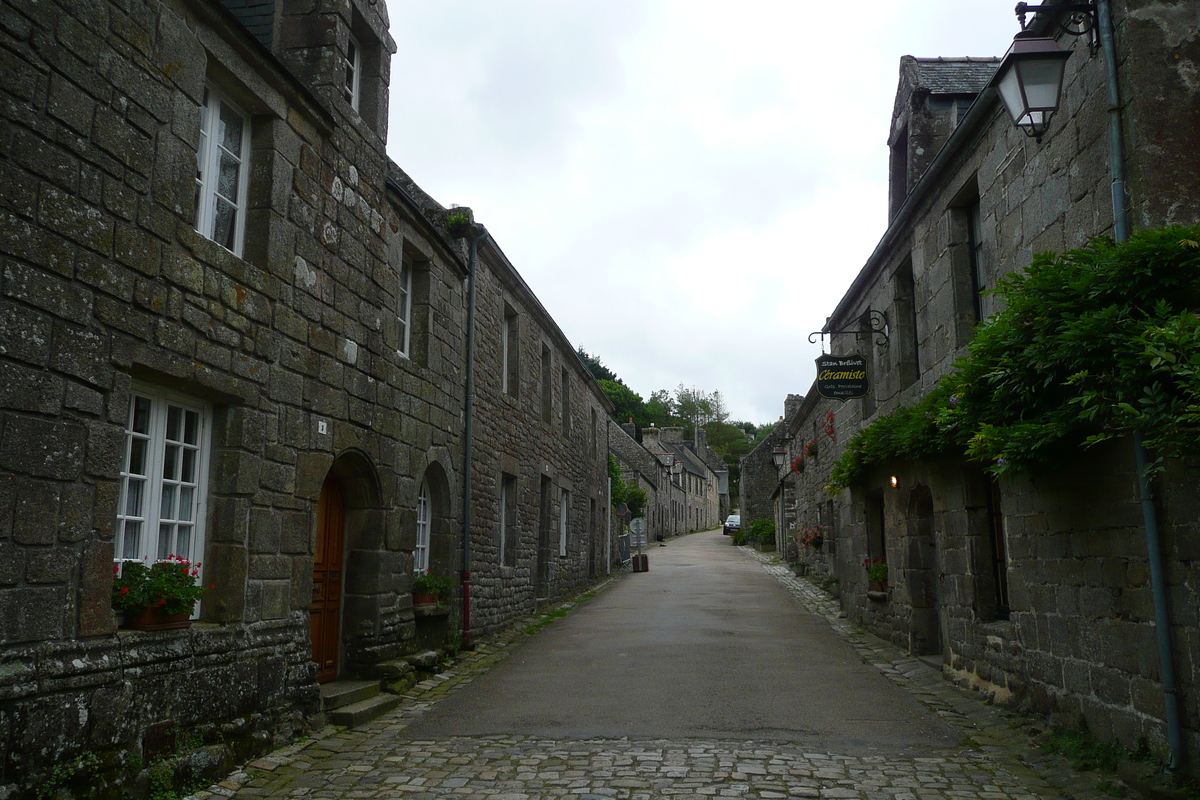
(689, 187)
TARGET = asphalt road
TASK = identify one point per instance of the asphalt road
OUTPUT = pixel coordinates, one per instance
(705, 645)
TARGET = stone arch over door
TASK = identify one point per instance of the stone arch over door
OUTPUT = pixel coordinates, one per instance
(922, 575)
(365, 587)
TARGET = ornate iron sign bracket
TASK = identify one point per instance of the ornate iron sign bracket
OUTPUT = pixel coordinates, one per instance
(873, 321)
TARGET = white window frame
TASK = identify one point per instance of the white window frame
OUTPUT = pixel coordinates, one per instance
(208, 160)
(564, 505)
(424, 527)
(352, 82)
(141, 517)
(404, 283)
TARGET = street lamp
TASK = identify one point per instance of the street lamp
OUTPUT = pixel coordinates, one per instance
(1030, 79)
(779, 456)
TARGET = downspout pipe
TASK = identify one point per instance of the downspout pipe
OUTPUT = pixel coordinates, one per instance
(1162, 616)
(478, 232)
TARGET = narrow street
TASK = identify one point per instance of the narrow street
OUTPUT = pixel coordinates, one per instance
(715, 674)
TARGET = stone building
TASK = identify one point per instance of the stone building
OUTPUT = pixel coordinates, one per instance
(766, 491)
(1032, 588)
(232, 330)
(699, 506)
(649, 473)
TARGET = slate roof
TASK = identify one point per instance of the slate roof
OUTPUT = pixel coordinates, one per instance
(965, 75)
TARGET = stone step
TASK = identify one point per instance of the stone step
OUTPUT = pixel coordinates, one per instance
(364, 711)
(336, 694)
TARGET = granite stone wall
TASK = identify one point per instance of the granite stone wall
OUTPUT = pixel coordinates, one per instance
(1033, 589)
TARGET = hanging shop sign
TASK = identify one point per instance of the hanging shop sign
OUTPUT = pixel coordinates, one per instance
(842, 377)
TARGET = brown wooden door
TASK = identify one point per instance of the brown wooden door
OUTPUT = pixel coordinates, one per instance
(325, 613)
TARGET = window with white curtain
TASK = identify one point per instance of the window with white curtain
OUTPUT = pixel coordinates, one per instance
(222, 162)
(163, 478)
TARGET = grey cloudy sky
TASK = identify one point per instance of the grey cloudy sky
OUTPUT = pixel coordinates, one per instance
(688, 186)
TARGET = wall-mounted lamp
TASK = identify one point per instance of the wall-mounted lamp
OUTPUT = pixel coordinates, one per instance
(1030, 77)
(779, 456)
(894, 482)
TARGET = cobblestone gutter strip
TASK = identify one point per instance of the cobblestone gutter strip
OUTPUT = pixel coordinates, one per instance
(1000, 731)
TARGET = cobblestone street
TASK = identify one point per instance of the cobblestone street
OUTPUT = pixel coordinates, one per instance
(993, 760)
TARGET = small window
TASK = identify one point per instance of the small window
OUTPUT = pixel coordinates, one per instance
(975, 254)
(508, 520)
(566, 403)
(353, 69)
(163, 485)
(547, 384)
(404, 306)
(221, 169)
(564, 505)
(510, 376)
(421, 548)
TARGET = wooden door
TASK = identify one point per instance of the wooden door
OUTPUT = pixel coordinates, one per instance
(325, 613)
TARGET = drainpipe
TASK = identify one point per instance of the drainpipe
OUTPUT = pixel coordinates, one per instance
(478, 233)
(1162, 616)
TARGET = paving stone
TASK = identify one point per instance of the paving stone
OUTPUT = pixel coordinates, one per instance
(377, 762)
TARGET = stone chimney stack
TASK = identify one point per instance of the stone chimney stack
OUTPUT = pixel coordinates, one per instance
(650, 436)
(791, 405)
(630, 428)
(672, 434)
(701, 439)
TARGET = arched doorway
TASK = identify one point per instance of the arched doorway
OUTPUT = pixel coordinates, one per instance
(325, 613)
(922, 575)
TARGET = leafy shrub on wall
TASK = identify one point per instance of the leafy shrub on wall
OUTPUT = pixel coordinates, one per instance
(1092, 344)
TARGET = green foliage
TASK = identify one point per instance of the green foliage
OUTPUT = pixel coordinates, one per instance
(739, 537)
(169, 584)
(440, 586)
(1093, 344)
(64, 772)
(628, 403)
(761, 531)
(1085, 751)
(596, 367)
(458, 223)
(628, 494)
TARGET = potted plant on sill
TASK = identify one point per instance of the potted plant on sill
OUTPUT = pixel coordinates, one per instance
(877, 573)
(813, 537)
(156, 597)
(431, 590)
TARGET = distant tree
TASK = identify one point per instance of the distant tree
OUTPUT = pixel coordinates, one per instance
(597, 368)
(628, 403)
(660, 409)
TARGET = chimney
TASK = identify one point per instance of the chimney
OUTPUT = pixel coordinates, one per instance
(791, 405)
(630, 429)
(649, 437)
(701, 439)
(672, 434)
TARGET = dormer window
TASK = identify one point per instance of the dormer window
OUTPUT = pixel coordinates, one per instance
(353, 65)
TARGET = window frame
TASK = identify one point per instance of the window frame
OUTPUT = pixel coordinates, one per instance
(149, 547)
(352, 73)
(404, 297)
(509, 525)
(424, 529)
(564, 506)
(207, 168)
